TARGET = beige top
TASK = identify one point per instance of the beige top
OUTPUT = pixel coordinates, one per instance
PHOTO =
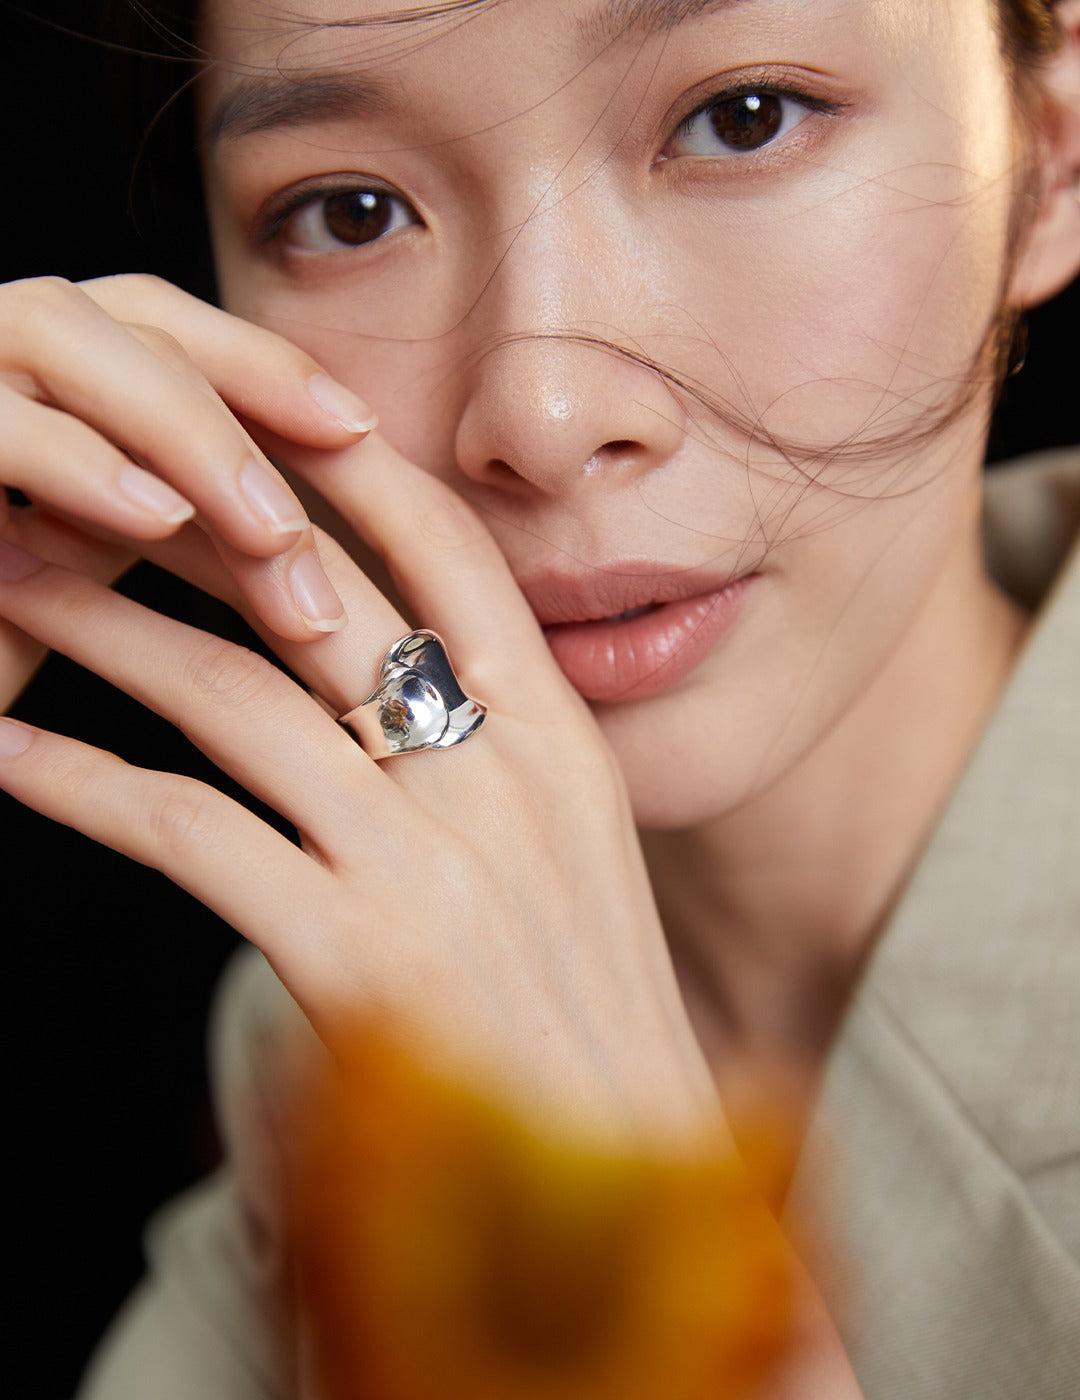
(945, 1151)
(953, 1092)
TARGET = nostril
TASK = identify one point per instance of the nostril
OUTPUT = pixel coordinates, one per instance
(496, 470)
(616, 451)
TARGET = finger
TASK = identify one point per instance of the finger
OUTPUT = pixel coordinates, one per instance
(249, 718)
(287, 596)
(291, 594)
(82, 361)
(445, 563)
(344, 667)
(49, 538)
(227, 701)
(60, 462)
(58, 541)
(201, 839)
(244, 713)
(334, 670)
(260, 375)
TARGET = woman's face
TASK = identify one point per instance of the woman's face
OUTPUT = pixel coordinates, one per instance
(797, 207)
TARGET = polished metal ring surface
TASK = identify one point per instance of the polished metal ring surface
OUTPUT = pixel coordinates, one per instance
(418, 703)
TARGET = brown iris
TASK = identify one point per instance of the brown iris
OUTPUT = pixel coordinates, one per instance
(358, 216)
(746, 122)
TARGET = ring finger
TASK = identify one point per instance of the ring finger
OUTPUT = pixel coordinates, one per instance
(245, 714)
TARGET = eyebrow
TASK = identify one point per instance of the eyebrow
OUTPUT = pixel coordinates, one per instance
(264, 103)
(267, 103)
(615, 19)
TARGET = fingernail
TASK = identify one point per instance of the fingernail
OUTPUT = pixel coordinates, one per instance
(342, 404)
(15, 563)
(271, 501)
(151, 493)
(314, 594)
(14, 738)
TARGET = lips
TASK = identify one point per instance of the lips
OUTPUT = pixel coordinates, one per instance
(624, 633)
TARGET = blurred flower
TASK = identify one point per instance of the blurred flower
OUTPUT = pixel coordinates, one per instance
(448, 1250)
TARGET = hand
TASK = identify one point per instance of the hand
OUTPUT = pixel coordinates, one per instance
(121, 402)
(491, 897)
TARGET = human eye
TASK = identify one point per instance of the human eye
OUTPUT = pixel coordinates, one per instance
(323, 218)
(743, 121)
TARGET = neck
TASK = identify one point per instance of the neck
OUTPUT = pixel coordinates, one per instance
(772, 910)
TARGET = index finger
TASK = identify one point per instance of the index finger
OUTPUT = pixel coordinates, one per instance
(262, 376)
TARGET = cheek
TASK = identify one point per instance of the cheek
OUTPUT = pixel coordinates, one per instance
(851, 299)
(855, 319)
(408, 378)
(835, 605)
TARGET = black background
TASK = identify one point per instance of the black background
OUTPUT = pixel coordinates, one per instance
(109, 967)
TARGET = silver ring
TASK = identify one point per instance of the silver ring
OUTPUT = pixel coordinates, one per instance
(418, 703)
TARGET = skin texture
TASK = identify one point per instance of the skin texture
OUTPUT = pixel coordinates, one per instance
(869, 256)
(869, 246)
(826, 293)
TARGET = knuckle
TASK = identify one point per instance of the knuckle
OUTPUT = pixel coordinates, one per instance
(132, 296)
(147, 282)
(47, 290)
(450, 523)
(224, 674)
(170, 351)
(72, 771)
(126, 285)
(454, 871)
(160, 341)
(35, 301)
(88, 610)
(180, 817)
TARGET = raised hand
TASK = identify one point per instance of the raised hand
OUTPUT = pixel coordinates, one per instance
(130, 408)
(491, 896)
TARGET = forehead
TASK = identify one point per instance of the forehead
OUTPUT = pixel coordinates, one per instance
(591, 19)
(350, 57)
(359, 57)
(241, 29)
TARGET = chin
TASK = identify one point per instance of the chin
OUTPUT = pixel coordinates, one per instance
(671, 785)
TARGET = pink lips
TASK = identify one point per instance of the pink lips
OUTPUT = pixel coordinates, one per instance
(608, 656)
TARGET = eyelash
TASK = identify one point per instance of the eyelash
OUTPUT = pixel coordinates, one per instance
(278, 210)
(810, 103)
(273, 217)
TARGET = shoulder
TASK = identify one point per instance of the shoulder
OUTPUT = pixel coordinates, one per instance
(950, 1111)
(210, 1321)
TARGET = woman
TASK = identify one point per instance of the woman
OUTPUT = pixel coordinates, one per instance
(682, 322)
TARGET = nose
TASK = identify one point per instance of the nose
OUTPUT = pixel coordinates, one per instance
(551, 406)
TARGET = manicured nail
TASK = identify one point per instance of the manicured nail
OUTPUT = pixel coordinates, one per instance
(271, 501)
(342, 404)
(15, 563)
(314, 594)
(150, 493)
(14, 738)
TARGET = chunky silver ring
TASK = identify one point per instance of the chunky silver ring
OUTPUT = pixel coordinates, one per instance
(418, 703)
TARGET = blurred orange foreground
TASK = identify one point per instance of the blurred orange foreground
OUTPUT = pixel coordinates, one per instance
(447, 1250)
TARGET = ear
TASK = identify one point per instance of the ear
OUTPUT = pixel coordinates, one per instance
(1051, 254)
